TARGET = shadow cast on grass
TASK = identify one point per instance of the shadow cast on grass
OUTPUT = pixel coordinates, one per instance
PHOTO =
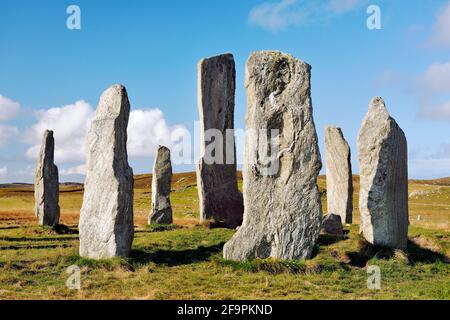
(63, 229)
(325, 240)
(59, 229)
(9, 227)
(175, 257)
(28, 247)
(328, 239)
(33, 239)
(414, 254)
(149, 228)
(418, 254)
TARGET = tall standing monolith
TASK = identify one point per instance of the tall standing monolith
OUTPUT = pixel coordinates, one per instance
(46, 185)
(106, 220)
(339, 174)
(282, 203)
(219, 197)
(161, 211)
(383, 165)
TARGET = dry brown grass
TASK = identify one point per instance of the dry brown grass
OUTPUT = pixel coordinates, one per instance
(431, 209)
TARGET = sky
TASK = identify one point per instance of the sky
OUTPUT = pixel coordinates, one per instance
(51, 77)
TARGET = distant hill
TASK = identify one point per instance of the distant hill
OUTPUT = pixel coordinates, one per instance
(436, 182)
(144, 181)
(15, 185)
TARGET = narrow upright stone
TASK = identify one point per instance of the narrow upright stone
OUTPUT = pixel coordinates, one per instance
(106, 219)
(219, 197)
(283, 210)
(383, 163)
(46, 186)
(161, 184)
(339, 174)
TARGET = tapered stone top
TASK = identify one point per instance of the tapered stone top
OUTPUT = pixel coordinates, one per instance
(219, 197)
(283, 210)
(383, 163)
(161, 184)
(339, 174)
(106, 219)
(46, 186)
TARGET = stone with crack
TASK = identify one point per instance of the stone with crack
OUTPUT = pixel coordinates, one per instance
(283, 210)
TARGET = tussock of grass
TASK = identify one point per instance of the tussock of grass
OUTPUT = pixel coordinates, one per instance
(274, 266)
(106, 264)
(59, 229)
(265, 265)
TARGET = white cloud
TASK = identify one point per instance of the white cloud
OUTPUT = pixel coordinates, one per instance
(390, 78)
(279, 15)
(147, 128)
(29, 170)
(443, 153)
(436, 78)
(438, 113)
(425, 163)
(69, 123)
(434, 88)
(6, 133)
(3, 171)
(433, 85)
(8, 108)
(79, 170)
(441, 29)
(429, 168)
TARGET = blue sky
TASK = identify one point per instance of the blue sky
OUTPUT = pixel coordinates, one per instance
(51, 77)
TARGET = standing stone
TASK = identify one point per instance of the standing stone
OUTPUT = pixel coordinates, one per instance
(282, 203)
(339, 174)
(106, 220)
(161, 184)
(46, 186)
(383, 198)
(219, 197)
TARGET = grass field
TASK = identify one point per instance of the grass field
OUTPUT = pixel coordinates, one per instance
(184, 261)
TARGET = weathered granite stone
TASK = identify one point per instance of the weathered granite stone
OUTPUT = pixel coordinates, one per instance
(106, 220)
(283, 211)
(46, 186)
(332, 224)
(161, 184)
(219, 197)
(339, 174)
(383, 198)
